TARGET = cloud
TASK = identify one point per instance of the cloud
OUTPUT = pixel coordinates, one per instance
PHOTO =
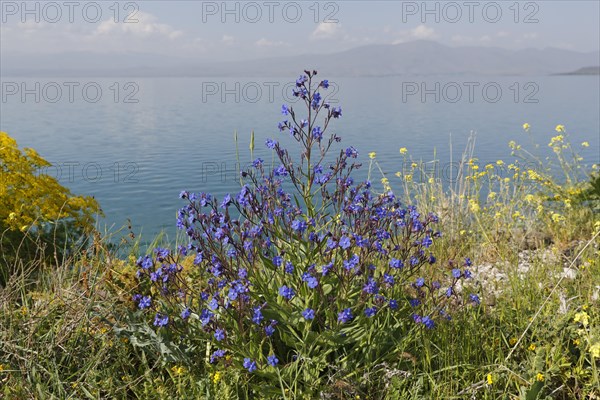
(228, 40)
(264, 42)
(147, 26)
(326, 30)
(420, 32)
(423, 32)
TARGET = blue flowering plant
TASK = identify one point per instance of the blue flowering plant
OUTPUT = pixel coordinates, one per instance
(304, 276)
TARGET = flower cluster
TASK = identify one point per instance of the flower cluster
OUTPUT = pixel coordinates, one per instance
(300, 250)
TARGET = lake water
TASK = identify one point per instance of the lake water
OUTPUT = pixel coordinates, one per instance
(134, 143)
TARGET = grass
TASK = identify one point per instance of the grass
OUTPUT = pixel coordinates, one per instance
(537, 252)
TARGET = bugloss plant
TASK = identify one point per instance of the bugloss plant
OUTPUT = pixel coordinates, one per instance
(304, 277)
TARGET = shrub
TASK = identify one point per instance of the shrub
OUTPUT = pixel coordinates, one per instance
(36, 211)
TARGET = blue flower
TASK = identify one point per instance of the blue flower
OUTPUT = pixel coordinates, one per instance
(393, 304)
(371, 287)
(205, 316)
(284, 109)
(286, 292)
(310, 280)
(325, 268)
(317, 133)
(396, 264)
(370, 311)
(161, 320)
(271, 143)
(456, 273)
(344, 242)
(226, 201)
(324, 83)
(269, 330)
(272, 360)
(336, 112)
(389, 279)
(186, 313)
(281, 171)
(289, 267)
(351, 152)
(352, 262)
(308, 314)
(219, 334)
(428, 322)
(345, 316)
(145, 302)
(468, 262)
(257, 163)
(249, 365)
(467, 274)
(147, 262)
(331, 244)
(301, 79)
(257, 316)
(299, 225)
(474, 298)
(420, 282)
(414, 302)
(427, 242)
(217, 354)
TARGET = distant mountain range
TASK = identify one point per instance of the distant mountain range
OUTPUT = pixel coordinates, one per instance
(412, 58)
(584, 71)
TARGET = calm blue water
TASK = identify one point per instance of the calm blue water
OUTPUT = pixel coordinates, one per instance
(135, 158)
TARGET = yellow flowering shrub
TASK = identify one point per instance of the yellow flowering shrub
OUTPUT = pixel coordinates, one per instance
(33, 204)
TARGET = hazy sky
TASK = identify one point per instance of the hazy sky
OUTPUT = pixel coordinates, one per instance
(219, 30)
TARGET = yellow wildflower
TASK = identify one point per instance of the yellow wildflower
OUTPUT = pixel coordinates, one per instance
(1, 367)
(384, 181)
(408, 178)
(500, 162)
(178, 370)
(492, 195)
(560, 128)
(372, 155)
(556, 140)
(595, 350)
(582, 317)
(531, 347)
(576, 342)
(489, 379)
(403, 150)
(526, 126)
(529, 198)
(216, 377)
(512, 341)
(431, 180)
(585, 144)
(474, 206)
(539, 377)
